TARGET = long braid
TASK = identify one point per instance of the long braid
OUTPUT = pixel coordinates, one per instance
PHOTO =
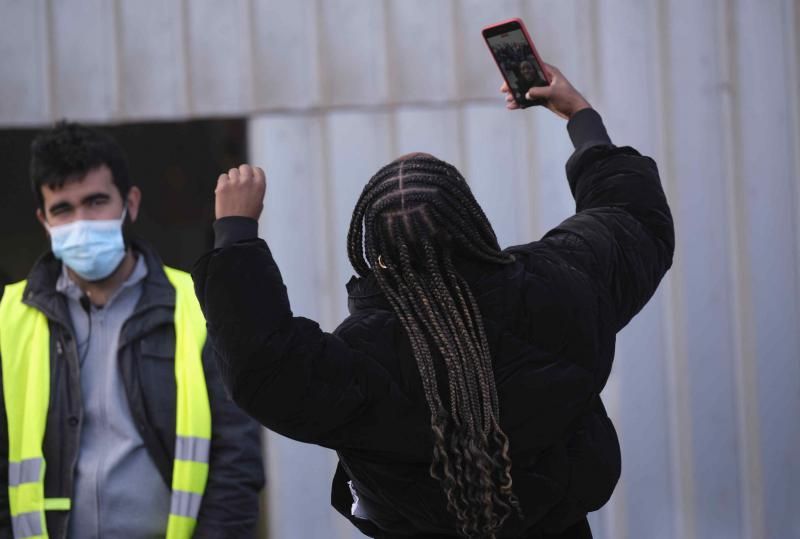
(489, 393)
(498, 436)
(441, 467)
(452, 459)
(456, 324)
(469, 308)
(464, 488)
(410, 219)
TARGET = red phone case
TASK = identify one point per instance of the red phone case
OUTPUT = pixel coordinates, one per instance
(510, 23)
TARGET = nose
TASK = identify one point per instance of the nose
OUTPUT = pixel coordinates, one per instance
(82, 213)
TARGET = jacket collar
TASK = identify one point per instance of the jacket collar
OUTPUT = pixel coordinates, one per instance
(365, 292)
(40, 291)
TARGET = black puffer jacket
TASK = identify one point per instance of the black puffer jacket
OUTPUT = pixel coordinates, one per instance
(551, 319)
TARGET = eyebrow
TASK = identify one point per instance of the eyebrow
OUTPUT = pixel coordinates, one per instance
(91, 197)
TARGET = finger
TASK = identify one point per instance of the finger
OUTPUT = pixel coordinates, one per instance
(552, 69)
(553, 73)
(539, 92)
(259, 174)
(245, 172)
(510, 101)
(221, 182)
(233, 175)
(504, 88)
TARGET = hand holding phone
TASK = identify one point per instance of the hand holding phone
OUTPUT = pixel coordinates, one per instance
(559, 96)
(515, 55)
(528, 80)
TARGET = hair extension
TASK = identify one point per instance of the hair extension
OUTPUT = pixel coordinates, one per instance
(416, 213)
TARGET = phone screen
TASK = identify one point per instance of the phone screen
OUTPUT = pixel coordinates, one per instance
(517, 62)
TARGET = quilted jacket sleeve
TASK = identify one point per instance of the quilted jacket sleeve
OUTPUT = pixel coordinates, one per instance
(622, 233)
(284, 370)
(236, 474)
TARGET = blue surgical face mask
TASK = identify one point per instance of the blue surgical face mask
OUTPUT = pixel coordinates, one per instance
(92, 249)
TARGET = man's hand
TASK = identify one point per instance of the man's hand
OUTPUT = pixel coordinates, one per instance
(560, 97)
(240, 193)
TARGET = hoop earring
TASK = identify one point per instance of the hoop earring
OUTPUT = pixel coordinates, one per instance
(380, 262)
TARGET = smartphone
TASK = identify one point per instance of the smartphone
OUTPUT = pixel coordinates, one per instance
(519, 63)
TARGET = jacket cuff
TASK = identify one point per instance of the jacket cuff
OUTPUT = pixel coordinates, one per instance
(230, 230)
(586, 129)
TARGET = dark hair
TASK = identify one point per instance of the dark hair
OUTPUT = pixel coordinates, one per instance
(413, 217)
(70, 149)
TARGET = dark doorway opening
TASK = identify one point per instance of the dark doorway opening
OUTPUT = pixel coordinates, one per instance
(175, 164)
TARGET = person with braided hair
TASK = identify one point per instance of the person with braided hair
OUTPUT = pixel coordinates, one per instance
(462, 392)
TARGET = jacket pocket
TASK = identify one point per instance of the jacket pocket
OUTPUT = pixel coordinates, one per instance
(155, 363)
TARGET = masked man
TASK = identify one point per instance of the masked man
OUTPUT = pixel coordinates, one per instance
(114, 422)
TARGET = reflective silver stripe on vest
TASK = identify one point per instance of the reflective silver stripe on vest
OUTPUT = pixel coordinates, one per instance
(27, 525)
(191, 448)
(185, 504)
(26, 471)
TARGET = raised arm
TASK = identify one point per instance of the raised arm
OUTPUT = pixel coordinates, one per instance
(622, 233)
(281, 369)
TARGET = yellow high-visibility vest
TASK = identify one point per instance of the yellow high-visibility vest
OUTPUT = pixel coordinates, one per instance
(25, 350)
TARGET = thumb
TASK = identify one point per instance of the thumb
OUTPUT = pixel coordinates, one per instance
(539, 92)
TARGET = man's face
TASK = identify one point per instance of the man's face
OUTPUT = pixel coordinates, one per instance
(90, 197)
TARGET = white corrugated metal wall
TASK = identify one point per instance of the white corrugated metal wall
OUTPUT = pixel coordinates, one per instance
(705, 391)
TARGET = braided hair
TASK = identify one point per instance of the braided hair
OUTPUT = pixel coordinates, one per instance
(412, 217)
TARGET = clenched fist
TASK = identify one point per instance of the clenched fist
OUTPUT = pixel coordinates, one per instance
(240, 193)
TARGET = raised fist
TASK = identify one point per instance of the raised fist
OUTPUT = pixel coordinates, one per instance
(240, 192)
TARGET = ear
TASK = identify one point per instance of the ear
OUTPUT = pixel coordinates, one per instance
(134, 201)
(42, 220)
